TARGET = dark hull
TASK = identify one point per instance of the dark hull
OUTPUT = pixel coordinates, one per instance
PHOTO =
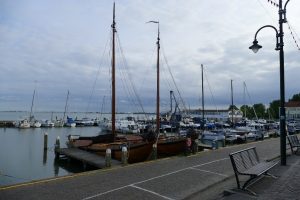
(99, 138)
(137, 152)
(170, 146)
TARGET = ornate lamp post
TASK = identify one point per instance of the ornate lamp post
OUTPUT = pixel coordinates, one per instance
(279, 47)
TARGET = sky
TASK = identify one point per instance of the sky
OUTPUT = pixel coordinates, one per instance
(52, 46)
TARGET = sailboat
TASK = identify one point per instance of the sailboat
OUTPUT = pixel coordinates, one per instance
(33, 122)
(139, 148)
(62, 122)
(166, 145)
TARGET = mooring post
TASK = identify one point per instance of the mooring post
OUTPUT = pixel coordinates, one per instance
(195, 146)
(45, 141)
(108, 158)
(154, 151)
(214, 144)
(57, 147)
(124, 155)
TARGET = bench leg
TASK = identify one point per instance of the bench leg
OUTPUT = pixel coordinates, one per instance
(237, 180)
(248, 181)
(271, 175)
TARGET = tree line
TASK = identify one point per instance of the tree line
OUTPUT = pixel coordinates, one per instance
(259, 110)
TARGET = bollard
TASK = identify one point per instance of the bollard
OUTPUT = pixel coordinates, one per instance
(124, 155)
(57, 147)
(195, 146)
(108, 158)
(214, 145)
(154, 151)
(45, 141)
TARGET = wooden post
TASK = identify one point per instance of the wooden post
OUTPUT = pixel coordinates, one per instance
(57, 147)
(195, 146)
(108, 158)
(214, 144)
(124, 156)
(154, 151)
(45, 141)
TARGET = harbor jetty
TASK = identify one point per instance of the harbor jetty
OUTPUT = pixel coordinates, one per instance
(200, 176)
(85, 157)
(6, 123)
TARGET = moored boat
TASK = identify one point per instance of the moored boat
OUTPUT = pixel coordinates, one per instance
(138, 148)
(24, 123)
(170, 145)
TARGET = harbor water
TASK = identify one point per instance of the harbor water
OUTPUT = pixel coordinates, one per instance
(22, 154)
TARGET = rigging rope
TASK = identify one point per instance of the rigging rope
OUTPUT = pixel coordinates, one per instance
(133, 88)
(212, 96)
(294, 38)
(97, 74)
(180, 97)
(251, 101)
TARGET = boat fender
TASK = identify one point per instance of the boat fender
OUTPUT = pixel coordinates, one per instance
(188, 142)
(124, 149)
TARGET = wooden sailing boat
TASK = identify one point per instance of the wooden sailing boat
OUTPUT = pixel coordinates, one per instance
(166, 145)
(138, 148)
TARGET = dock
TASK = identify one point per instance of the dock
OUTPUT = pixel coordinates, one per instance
(6, 123)
(85, 157)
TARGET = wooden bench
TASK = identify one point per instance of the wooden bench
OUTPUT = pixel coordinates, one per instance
(294, 143)
(246, 162)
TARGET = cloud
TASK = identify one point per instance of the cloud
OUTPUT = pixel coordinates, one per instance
(55, 46)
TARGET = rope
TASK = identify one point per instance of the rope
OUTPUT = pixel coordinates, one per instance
(293, 36)
(97, 74)
(130, 87)
(273, 3)
(210, 90)
(171, 74)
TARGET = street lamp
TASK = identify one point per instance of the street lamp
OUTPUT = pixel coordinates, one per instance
(279, 47)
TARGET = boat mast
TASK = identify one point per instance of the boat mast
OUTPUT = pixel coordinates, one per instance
(231, 103)
(30, 115)
(113, 101)
(66, 106)
(157, 84)
(245, 110)
(171, 101)
(202, 125)
(157, 80)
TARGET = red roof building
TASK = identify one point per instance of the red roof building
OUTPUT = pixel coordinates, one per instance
(292, 110)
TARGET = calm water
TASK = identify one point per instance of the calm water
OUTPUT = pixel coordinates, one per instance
(22, 155)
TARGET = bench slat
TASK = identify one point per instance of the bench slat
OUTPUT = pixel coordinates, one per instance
(294, 142)
(260, 168)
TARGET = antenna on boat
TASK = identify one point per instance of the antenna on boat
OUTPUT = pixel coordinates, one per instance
(157, 80)
(113, 102)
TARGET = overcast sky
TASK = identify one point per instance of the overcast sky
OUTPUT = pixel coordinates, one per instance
(53, 46)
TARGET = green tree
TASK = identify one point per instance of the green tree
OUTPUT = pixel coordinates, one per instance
(234, 107)
(260, 110)
(274, 109)
(296, 97)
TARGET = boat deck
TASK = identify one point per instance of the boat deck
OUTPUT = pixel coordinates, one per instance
(86, 157)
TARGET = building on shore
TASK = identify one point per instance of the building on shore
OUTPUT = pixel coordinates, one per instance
(219, 115)
(292, 110)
